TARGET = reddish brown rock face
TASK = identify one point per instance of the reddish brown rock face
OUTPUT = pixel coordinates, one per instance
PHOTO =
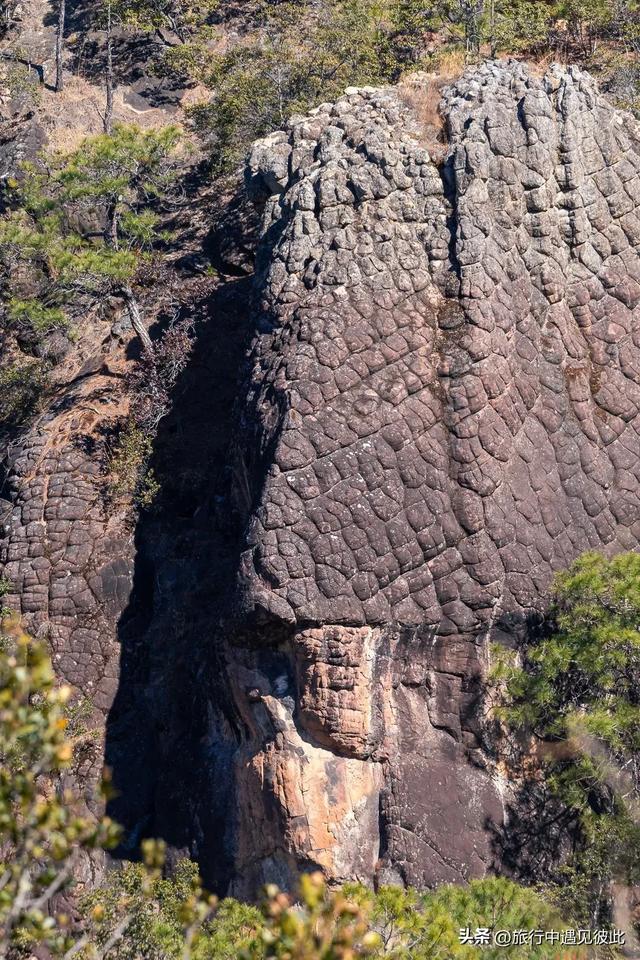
(440, 410)
(67, 555)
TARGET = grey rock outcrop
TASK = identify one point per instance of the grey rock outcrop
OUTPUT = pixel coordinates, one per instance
(442, 410)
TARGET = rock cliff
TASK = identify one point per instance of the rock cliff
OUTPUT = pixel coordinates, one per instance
(442, 410)
(439, 409)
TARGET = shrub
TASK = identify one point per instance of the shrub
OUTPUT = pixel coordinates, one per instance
(302, 54)
(22, 388)
(429, 925)
(129, 473)
(323, 925)
(163, 914)
(149, 386)
(42, 832)
(80, 222)
(577, 693)
(156, 373)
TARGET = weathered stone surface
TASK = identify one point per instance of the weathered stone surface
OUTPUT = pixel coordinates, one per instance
(68, 561)
(441, 410)
(129, 608)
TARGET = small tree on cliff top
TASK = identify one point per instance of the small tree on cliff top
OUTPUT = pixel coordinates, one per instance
(302, 54)
(81, 221)
(120, 176)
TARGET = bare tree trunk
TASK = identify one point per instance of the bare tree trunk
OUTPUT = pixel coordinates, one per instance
(472, 11)
(492, 28)
(136, 321)
(111, 229)
(108, 113)
(59, 42)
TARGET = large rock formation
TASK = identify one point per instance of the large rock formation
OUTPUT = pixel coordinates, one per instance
(442, 410)
(439, 410)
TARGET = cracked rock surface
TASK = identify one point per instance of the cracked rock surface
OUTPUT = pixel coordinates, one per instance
(67, 557)
(441, 411)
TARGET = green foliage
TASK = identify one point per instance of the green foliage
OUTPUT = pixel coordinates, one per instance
(301, 54)
(78, 712)
(163, 914)
(5, 588)
(5, 614)
(62, 259)
(129, 166)
(500, 904)
(149, 386)
(229, 933)
(54, 258)
(35, 314)
(584, 678)
(318, 924)
(129, 473)
(589, 20)
(183, 17)
(609, 849)
(622, 79)
(140, 229)
(519, 26)
(427, 926)
(578, 693)
(22, 389)
(42, 832)
(20, 81)
(167, 914)
(323, 925)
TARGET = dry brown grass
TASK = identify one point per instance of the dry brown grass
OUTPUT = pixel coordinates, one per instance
(422, 92)
(449, 64)
(539, 66)
(76, 113)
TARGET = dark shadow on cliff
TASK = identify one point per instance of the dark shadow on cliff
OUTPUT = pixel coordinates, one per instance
(538, 834)
(170, 774)
(539, 831)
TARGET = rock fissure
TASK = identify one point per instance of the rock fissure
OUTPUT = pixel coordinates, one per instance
(446, 456)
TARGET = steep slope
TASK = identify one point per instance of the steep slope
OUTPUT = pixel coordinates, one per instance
(439, 409)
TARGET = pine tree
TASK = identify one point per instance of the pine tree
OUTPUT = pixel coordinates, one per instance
(115, 179)
(577, 694)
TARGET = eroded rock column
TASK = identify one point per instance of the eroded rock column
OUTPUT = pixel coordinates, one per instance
(441, 411)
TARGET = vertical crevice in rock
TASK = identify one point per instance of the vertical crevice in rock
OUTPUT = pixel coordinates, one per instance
(431, 340)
